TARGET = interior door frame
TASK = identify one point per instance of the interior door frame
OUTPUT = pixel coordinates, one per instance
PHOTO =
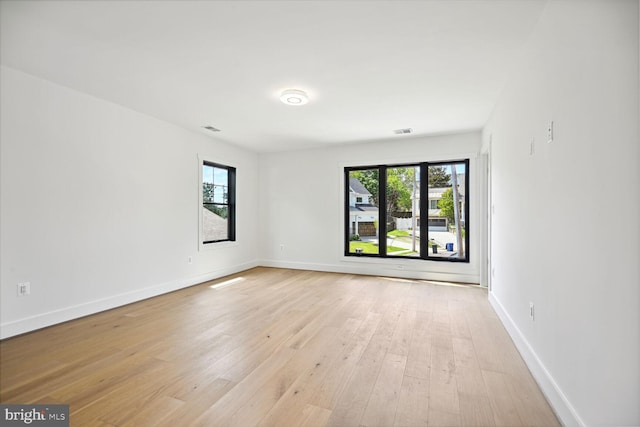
(487, 214)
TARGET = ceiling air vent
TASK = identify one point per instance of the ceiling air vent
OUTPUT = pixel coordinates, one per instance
(211, 128)
(402, 131)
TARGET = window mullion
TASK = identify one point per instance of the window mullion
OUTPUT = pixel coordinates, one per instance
(382, 213)
(347, 222)
(231, 203)
(424, 210)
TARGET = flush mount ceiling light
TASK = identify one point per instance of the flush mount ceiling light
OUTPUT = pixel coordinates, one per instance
(294, 97)
(403, 131)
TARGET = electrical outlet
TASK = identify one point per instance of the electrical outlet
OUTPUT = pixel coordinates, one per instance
(531, 311)
(282, 246)
(190, 260)
(550, 132)
(24, 289)
(493, 272)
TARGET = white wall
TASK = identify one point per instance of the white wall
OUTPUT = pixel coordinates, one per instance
(98, 207)
(565, 230)
(302, 205)
(99, 204)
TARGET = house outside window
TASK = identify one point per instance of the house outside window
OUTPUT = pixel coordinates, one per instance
(362, 212)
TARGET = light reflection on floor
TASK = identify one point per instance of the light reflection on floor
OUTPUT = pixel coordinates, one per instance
(227, 283)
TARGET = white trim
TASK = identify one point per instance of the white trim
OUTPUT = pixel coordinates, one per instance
(473, 157)
(557, 399)
(415, 265)
(201, 160)
(374, 270)
(409, 159)
(29, 324)
(218, 245)
(489, 207)
(421, 268)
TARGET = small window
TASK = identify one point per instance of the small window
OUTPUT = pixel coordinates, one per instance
(358, 199)
(218, 203)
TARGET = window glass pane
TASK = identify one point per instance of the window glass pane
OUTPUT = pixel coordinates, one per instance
(363, 211)
(207, 174)
(220, 185)
(207, 184)
(215, 222)
(447, 222)
(403, 201)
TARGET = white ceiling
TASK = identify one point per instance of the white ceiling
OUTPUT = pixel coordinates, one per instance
(369, 66)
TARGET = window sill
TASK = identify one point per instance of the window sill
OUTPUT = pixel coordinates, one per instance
(217, 245)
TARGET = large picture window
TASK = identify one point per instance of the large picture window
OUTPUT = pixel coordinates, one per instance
(218, 203)
(417, 211)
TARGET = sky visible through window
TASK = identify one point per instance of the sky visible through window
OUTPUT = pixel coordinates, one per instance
(460, 168)
(219, 178)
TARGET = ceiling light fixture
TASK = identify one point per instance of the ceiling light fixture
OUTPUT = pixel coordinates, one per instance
(403, 131)
(294, 97)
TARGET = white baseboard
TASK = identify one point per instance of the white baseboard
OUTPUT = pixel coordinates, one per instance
(369, 269)
(557, 399)
(32, 323)
(50, 318)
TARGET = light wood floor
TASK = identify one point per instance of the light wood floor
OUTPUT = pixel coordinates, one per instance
(274, 347)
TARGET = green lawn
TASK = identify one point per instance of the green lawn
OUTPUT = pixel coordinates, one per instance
(398, 233)
(370, 248)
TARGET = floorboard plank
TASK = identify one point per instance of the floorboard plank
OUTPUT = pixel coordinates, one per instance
(413, 405)
(381, 409)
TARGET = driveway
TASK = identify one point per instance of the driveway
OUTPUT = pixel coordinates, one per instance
(440, 237)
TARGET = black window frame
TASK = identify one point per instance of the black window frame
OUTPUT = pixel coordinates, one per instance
(230, 204)
(424, 207)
